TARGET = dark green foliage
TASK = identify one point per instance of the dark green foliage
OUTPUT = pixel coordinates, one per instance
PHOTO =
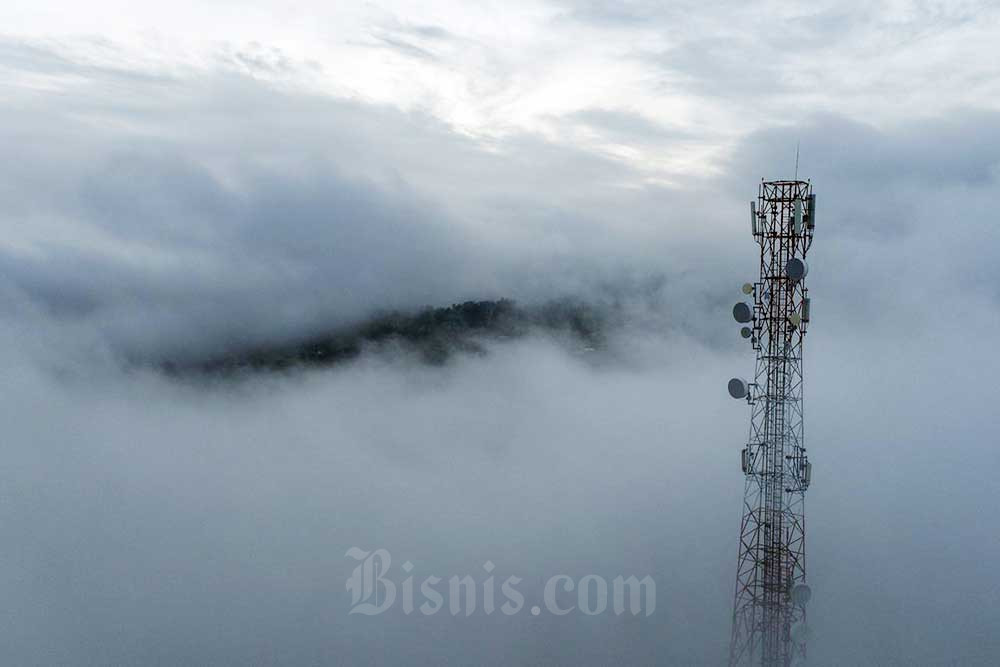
(435, 334)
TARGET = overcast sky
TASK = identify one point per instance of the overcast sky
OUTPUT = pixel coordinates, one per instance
(182, 178)
(317, 162)
(625, 79)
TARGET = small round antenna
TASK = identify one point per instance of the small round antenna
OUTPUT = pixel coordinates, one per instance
(742, 312)
(796, 269)
(746, 332)
(738, 388)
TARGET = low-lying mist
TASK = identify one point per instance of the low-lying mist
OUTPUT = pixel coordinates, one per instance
(151, 520)
(155, 521)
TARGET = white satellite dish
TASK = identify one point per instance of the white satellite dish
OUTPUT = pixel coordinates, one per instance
(738, 388)
(800, 594)
(796, 268)
(795, 319)
(746, 332)
(742, 312)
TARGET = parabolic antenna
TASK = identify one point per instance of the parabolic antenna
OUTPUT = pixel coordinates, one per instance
(746, 332)
(738, 388)
(800, 594)
(795, 319)
(748, 288)
(796, 268)
(742, 312)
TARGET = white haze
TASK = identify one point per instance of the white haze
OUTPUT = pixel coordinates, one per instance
(155, 522)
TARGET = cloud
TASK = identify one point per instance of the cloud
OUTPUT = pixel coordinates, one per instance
(161, 523)
(405, 48)
(627, 126)
(188, 524)
(27, 56)
(218, 210)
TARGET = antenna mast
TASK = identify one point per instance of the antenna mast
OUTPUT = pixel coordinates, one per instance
(769, 615)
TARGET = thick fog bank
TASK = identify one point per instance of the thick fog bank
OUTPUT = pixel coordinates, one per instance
(149, 521)
(152, 522)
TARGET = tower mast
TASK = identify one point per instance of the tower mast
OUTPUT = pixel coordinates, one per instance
(769, 612)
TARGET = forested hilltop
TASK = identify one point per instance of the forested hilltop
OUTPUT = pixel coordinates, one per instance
(433, 334)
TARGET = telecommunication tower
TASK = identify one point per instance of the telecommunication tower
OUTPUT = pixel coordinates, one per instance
(769, 614)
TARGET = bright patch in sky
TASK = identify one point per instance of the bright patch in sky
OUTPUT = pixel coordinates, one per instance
(667, 87)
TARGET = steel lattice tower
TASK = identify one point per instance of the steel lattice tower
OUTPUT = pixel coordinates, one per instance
(769, 608)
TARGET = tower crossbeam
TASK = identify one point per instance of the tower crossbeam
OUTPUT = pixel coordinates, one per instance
(769, 614)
